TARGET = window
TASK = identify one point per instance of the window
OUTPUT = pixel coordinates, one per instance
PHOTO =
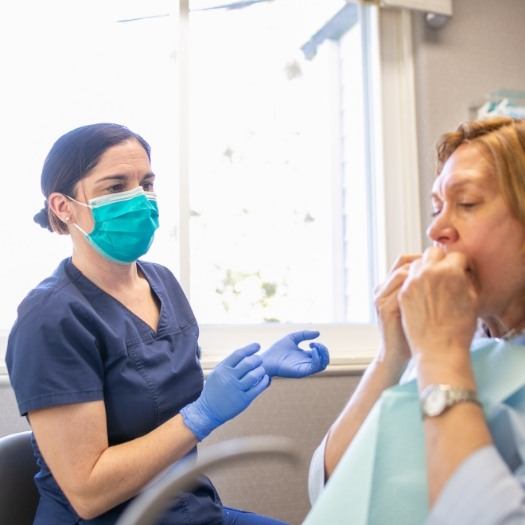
(277, 209)
(266, 122)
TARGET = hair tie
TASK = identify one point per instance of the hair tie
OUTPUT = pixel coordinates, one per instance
(42, 217)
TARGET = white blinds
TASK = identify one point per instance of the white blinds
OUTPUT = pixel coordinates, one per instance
(443, 7)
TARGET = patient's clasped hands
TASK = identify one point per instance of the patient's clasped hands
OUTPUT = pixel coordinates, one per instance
(439, 303)
(427, 301)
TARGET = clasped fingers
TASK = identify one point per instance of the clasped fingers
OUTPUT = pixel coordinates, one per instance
(396, 277)
(438, 301)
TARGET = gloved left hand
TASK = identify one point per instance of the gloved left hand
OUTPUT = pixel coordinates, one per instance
(285, 359)
(230, 388)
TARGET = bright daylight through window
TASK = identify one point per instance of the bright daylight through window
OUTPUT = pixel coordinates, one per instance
(269, 98)
(256, 113)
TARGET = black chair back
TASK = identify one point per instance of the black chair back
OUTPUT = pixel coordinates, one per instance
(18, 493)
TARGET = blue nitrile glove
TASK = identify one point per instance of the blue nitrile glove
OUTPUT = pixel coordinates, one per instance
(230, 388)
(285, 359)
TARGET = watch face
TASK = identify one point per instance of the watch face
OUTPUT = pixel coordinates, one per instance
(435, 402)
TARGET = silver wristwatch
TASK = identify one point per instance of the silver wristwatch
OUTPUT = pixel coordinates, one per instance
(435, 399)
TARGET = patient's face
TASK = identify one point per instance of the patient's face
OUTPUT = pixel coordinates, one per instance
(471, 216)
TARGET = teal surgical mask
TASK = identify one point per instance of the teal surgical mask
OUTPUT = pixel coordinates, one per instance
(125, 224)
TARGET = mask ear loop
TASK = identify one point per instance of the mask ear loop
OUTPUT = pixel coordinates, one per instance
(79, 202)
(69, 218)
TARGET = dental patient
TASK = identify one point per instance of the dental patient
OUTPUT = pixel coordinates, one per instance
(446, 447)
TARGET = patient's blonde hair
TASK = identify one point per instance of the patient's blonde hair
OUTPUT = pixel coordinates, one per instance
(503, 139)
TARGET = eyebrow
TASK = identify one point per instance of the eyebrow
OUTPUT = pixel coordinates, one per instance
(455, 186)
(117, 177)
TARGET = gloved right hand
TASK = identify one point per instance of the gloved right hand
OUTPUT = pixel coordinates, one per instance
(229, 389)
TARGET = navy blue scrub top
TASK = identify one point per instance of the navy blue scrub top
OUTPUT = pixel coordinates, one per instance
(74, 343)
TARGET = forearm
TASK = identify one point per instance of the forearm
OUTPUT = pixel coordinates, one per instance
(122, 471)
(457, 433)
(380, 375)
(450, 439)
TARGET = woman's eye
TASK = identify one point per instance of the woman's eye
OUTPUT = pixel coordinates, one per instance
(116, 188)
(468, 205)
(148, 186)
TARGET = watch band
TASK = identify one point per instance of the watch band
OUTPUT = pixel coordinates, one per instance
(437, 398)
(456, 395)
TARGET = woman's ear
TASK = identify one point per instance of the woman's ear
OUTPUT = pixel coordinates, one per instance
(61, 206)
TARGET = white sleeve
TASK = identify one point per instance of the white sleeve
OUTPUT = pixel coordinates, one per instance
(316, 475)
(482, 491)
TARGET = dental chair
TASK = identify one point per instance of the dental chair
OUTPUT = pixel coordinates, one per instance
(156, 497)
(18, 493)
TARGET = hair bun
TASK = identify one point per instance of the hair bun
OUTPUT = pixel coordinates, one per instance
(42, 219)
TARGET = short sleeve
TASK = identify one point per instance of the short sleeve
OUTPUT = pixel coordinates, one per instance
(316, 474)
(52, 354)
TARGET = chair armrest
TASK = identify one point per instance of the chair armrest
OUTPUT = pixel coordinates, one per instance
(156, 497)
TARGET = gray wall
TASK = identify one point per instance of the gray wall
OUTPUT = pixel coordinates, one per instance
(10, 421)
(480, 50)
(299, 409)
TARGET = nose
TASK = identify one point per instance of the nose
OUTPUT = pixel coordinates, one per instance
(442, 231)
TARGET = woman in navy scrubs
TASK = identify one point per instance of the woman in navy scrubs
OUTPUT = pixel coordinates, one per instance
(103, 357)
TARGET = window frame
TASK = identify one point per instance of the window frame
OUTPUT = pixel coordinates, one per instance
(391, 110)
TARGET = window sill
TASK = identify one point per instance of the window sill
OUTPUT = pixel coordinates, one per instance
(339, 367)
(4, 378)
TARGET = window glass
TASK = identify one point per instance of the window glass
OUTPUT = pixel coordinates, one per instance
(273, 89)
